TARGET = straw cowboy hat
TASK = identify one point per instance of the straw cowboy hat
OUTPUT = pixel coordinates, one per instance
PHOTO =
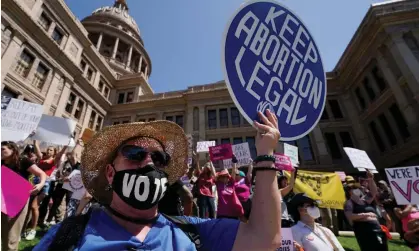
(100, 150)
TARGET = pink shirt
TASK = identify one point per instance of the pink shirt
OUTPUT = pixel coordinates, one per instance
(411, 216)
(205, 183)
(228, 202)
(243, 189)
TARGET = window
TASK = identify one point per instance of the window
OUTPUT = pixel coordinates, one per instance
(169, 118)
(125, 122)
(333, 145)
(335, 107)
(89, 75)
(100, 86)
(70, 103)
(412, 43)
(252, 146)
(212, 119)
(116, 123)
(106, 92)
(381, 83)
(304, 144)
(57, 36)
(368, 89)
(24, 64)
(141, 120)
(346, 139)
(40, 76)
(99, 123)
(6, 35)
(360, 98)
(237, 141)
(44, 21)
(121, 98)
(377, 136)
(325, 115)
(223, 118)
(235, 116)
(83, 64)
(225, 141)
(400, 121)
(92, 120)
(79, 109)
(179, 120)
(151, 119)
(387, 129)
(130, 97)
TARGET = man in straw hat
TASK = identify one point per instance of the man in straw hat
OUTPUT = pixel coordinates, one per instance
(127, 169)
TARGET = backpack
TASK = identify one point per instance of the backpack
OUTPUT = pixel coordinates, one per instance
(71, 231)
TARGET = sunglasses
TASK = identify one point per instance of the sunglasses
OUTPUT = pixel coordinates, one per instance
(138, 153)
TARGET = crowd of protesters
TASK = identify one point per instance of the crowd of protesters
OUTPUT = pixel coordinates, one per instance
(240, 200)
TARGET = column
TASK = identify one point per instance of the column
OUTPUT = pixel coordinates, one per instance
(159, 115)
(10, 55)
(360, 134)
(115, 48)
(189, 120)
(86, 118)
(129, 58)
(140, 64)
(145, 72)
(51, 28)
(63, 100)
(96, 80)
(85, 70)
(32, 71)
(202, 124)
(320, 144)
(408, 111)
(51, 91)
(99, 41)
(133, 118)
(407, 62)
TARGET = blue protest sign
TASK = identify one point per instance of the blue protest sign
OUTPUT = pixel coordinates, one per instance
(272, 62)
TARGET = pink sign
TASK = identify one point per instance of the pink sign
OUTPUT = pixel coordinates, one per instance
(342, 175)
(283, 162)
(15, 192)
(221, 152)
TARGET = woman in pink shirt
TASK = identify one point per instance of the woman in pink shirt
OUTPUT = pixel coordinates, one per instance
(409, 215)
(206, 179)
(242, 187)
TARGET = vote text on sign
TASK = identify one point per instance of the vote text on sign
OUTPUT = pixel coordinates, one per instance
(272, 62)
(404, 182)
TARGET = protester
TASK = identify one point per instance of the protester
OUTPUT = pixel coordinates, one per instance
(307, 233)
(409, 216)
(285, 188)
(206, 181)
(242, 188)
(386, 198)
(362, 214)
(121, 157)
(11, 228)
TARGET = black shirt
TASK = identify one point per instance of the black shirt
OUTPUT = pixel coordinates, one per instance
(171, 204)
(22, 169)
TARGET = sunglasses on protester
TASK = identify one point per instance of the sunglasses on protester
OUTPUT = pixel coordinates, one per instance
(138, 153)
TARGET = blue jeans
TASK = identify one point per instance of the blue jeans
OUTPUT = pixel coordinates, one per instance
(206, 205)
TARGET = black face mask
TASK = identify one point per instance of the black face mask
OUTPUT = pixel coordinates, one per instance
(140, 188)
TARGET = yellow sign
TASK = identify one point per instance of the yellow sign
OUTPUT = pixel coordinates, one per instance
(325, 187)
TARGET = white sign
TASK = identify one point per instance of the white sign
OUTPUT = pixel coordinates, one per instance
(203, 146)
(292, 152)
(18, 118)
(287, 240)
(75, 185)
(242, 153)
(404, 182)
(359, 158)
(55, 130)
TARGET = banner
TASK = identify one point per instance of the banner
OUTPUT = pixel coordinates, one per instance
(292, 152)
(404, 182)
(221, 152)
(283, 162)
(15, 192)
(287, 240)
(203, 146)
(18, 118)
(271, 61)
(242, 153)
(359, 158)
(55, 130)
(75, 185)
(325, 187)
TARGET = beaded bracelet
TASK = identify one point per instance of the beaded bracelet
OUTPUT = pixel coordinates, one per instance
(266, 168)
(265, 158)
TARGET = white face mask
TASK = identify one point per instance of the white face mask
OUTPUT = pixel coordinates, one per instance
(314, 212)
(357, 192)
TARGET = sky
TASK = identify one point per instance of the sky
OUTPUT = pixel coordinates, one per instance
(183, 37)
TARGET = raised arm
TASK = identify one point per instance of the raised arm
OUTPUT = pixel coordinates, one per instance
(287, 189)
(372, 186)
(60, 154)
(38, 152)
(234, 164)
(263, 231)
(212, 168)
(196, 160)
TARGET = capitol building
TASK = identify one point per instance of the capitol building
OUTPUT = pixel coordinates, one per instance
(95, 71)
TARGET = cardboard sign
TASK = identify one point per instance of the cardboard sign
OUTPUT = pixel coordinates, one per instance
(55, 130)
(221, 152)
(75, 185)
(242, 153)
(18, 118)
(292, 152)
(359, 158)
(15, 192)
(283, 162)
(287, 240)
(203, 146)
(270, 61)
(404, 182)
(87, 135)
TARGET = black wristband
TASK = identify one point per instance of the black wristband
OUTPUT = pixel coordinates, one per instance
(265, 158)
(266, 168)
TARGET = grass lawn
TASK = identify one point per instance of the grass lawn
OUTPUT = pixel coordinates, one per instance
(350, 244)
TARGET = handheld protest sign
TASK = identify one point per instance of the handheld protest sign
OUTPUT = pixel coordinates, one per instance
(270, 61)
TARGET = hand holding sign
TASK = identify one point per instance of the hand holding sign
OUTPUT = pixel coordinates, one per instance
(268, 134)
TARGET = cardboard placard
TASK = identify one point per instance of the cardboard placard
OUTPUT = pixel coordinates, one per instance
(292, 152)
(404, 182)
(75, 185)
(221, 152)
(242, 153)
(55, 130)
(287, 240)
(283, 162)
(359, 158)
(203, 146)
